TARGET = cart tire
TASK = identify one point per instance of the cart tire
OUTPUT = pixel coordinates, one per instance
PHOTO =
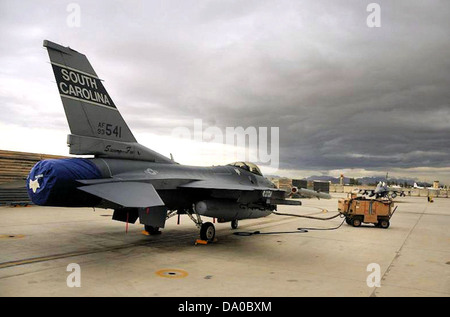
(348, 221)
(384, 224)
(356, 222)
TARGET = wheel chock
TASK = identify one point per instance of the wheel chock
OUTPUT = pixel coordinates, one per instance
(204, 242)
(199, 241)
(145, 233)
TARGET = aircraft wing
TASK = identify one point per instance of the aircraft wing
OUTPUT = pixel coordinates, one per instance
(396, 191)
(126, 194)
(221, 185)
(186, 183)
(275, 195)
(366, 191)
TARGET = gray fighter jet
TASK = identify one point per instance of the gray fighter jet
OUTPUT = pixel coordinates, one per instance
(383, 191)
(131, 179)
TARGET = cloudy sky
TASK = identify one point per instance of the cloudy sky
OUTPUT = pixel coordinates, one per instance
(345, 97)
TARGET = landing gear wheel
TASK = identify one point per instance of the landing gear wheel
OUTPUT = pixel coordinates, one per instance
(234, 224)
(356, 222)
(207, 232)
(152, 230)
(384, 224)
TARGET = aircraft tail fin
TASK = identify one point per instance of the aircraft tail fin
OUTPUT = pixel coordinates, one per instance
(96, 125)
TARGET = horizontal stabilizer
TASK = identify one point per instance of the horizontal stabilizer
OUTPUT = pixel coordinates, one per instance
(126, 194)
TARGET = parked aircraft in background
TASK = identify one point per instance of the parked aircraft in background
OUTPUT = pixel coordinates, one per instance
(422, 187)
(382, 190)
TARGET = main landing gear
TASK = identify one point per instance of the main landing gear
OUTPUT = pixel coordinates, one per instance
(152, 230)
(207, 229)
(207, 232)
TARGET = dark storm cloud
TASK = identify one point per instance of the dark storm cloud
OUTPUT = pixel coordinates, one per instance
(344, 95)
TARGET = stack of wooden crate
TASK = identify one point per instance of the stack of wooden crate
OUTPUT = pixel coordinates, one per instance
(14, 168)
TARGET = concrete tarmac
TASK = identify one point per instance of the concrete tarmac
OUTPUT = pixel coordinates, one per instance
(37, 244)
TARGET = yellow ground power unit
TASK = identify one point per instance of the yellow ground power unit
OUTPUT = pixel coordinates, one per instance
(358, 210)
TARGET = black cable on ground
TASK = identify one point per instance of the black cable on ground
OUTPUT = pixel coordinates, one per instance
(334, 228)
(299, 230)
(246, 234)
(303, 216)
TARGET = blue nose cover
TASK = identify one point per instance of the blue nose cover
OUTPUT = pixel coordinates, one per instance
(53, 182)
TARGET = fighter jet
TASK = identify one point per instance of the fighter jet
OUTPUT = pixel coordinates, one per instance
(383, 191)
(415, 186)
(135, 181)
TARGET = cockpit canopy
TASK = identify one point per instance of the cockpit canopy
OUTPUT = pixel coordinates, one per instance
(252, 168)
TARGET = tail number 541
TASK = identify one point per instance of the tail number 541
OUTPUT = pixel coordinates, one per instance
(109, 129)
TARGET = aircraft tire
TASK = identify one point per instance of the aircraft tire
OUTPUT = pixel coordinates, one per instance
(234, 224)
(207, 232)
(152, 230)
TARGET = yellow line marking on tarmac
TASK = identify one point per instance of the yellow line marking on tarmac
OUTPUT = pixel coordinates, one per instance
(11, 236)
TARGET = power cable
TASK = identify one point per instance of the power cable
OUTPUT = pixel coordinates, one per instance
(299, 230)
